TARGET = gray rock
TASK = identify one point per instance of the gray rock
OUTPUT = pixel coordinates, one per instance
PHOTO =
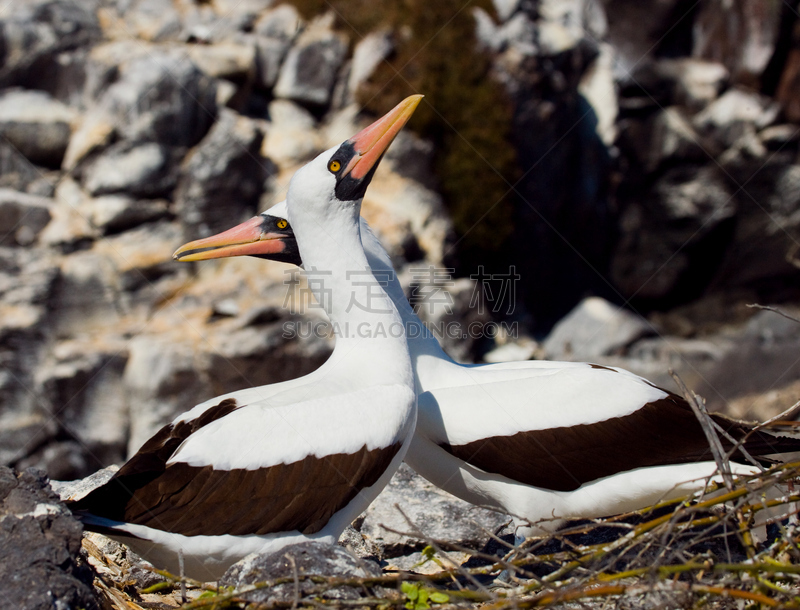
(34, 35)
(292, 137)
(761, 357)
(664, 136)
(22, 217)
(162, 379)
(75, 490)
(412, 157)
(309, 71)
(486, 30)
(225, 59)
(449, 308)
(63, 459)
(222, 180)
(281, 23)
(358, 544)
(151, 19)
(561, 25)
(87, 293)
(269, 57)
(432, 512)
(368, 54)
(593, 329)
(635, 30)
(741, 35)
(39, 545)
(36, 124)
(18, 173)
(28, 278)
(738, 105)
(662, 237)
(697, 194)
(161, 98)
(696, 83)
(83, 385)
(520, 33)
(309, 558)
(115, 213)
(505, 8)
(138, 169)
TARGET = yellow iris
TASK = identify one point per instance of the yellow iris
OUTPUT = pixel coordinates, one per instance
(334, 166)
(281, 224)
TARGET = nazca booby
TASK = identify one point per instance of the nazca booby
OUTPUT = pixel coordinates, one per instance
(293, 461)
(542, 441)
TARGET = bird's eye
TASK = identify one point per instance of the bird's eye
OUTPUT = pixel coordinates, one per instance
(281, 224)
(334, 166)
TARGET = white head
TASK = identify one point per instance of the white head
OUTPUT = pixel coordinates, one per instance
(325, 194)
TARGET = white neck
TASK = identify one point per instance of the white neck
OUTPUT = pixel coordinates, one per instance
(369, 330)
(427, 354)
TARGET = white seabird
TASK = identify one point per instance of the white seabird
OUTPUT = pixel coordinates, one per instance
(542, 441)
(254, 471)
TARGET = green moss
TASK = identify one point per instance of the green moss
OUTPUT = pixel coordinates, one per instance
(465, 113)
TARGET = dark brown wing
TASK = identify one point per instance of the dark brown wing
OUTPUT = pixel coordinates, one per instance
(193, 500)
(660, 433)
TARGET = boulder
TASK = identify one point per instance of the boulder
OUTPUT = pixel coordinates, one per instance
(163, 378)
(69, 229)
(34, 34)
(115, 213)
(269, 57)
(28, 278)
(636, 30)
(307, 558)
(157, 98)
(368, 54)
(222, 180)
(767, 226)
(761, 358)
(147, 19)
(738, 105)
(663, 250)
(598, 87)
(143, 169)
(741, 34)
(87, 294)
(39, 545)
(37, 125)
(291, 137)
(22, 217)
(63, 459)
(505, 8)
(595, 328)
(433, 513)
(281, 23)
(310, 68)
(663, 137)
(225, 59)
(82, 382)
(19, 174)
(696, 83)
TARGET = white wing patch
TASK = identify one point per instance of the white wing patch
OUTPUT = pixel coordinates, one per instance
(503, 403)
(260, 435)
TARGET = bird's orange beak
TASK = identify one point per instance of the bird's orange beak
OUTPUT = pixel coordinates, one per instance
(264, 236)
(371, 142)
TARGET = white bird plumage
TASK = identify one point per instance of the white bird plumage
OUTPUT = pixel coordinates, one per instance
(545, 441)
(255, 470)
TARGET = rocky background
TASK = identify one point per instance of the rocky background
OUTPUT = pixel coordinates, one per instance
(636, 162)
